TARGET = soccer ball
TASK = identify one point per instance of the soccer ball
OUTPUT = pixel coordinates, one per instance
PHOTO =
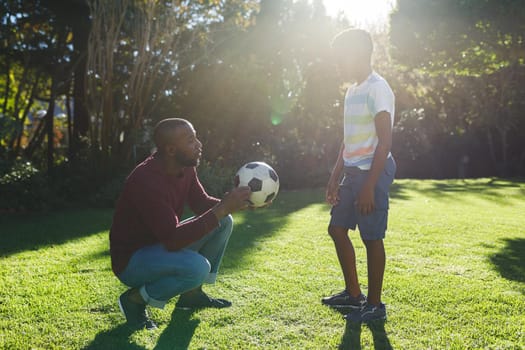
(262, 180)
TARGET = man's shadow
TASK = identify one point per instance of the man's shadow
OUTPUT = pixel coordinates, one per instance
(177, 335)
(351, 339)
(179, 332)
(116, 338)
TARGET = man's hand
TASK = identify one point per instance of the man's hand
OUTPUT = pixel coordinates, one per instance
(332, 193)
(365, 200)
(235, 200)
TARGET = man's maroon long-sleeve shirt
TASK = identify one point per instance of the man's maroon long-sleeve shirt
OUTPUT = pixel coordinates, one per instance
(149, 209)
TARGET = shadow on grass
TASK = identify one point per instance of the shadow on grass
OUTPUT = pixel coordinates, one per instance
(493, 189)
(177, 335)
(381, 341)
(258, 224)
(179, 332)
(351, 339)
(116, 338)
(33, 231)
(510, 260)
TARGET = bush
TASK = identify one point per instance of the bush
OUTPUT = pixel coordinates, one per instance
(23, 187)
(107, 194)
(216, 180)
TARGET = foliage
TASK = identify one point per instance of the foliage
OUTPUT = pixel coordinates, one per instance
(40, 56)
(465, 64)
(137, 52)
(268, 93)
(23, 188)
(454, 277)
(257, 81)
(465, 37)
(216, 179)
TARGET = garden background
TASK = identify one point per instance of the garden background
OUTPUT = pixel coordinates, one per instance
(83, 82)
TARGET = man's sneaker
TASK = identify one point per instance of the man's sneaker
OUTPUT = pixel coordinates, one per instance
(345, 300)
(136, 314)
(200, 300)
(368, 314)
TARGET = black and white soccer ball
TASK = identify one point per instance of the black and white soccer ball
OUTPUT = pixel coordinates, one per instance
(262, 180)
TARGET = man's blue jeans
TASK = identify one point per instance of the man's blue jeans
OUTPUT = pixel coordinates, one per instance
(160, 274)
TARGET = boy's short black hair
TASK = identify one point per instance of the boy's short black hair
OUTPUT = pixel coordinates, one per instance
(353, 41)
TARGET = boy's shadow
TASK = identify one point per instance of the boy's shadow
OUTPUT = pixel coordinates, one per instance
(352, 336)
(351, 339)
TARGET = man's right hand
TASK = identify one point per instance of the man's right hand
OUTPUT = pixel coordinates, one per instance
(235, 200)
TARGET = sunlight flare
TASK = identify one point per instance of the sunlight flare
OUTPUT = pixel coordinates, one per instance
(361, 13)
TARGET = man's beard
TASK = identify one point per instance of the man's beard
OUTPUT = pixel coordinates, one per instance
(183, 160)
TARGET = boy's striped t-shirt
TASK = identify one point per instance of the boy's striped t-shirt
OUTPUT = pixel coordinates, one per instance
(362, 103)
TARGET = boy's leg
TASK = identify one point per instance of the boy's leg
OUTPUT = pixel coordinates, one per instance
(346, 255)
(375, 253)
(372, 228)
(343, 218)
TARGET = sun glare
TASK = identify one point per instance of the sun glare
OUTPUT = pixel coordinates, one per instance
(361, 13)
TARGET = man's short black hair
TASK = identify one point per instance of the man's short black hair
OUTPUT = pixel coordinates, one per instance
(163, 130)
(353, 41)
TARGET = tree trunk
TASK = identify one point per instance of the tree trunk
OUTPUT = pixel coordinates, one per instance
(81, 115)
(71, 147)
(492, 151)
(36, 140)
(29, 104)
(503, 131)
(50, 117)
(7, 85)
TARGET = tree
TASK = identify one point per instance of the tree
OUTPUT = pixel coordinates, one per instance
(40, 51)
(269, 91)
(137, 51)
(479, 44)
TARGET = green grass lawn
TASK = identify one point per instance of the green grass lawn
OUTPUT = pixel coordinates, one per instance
(455, 278)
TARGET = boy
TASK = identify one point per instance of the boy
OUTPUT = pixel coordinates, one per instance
(361, 198)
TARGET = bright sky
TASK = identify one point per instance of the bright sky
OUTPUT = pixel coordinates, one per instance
(361, 13)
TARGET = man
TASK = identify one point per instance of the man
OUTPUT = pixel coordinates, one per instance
(361, 198)
(152, 251)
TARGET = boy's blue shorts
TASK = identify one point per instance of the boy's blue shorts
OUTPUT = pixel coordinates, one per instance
(345, 214)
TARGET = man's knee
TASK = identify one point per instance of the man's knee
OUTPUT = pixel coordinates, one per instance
(225, 227)
(200, 269)
(226, 222)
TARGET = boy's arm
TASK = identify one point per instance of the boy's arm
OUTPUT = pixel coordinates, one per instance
(383, 125)
(332, 189)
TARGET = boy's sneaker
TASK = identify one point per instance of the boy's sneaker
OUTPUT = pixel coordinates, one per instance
(136, 314)
(367, 314)
(344, 299)
(200, 300)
